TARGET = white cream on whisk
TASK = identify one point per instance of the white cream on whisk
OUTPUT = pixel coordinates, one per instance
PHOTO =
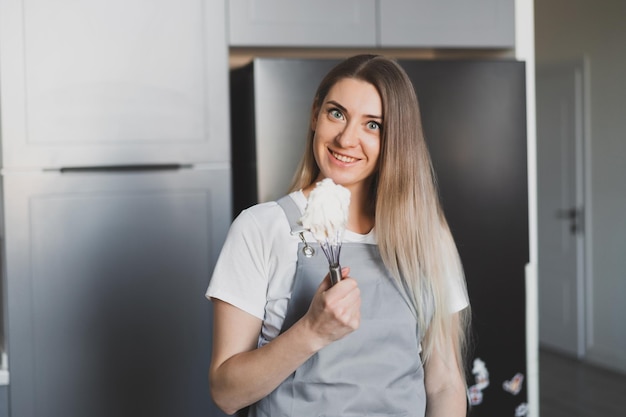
(326, 213)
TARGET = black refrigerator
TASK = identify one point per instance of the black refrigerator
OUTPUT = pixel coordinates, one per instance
(474, 118)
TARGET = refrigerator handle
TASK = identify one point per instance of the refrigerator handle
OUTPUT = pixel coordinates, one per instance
(122, 168)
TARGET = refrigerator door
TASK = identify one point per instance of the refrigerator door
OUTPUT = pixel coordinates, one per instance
(105, 278)
(474, 118)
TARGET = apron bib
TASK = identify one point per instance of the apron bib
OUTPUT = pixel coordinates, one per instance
(375, 370)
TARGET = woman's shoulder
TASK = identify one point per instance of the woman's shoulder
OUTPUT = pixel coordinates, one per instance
(267, 215)
(260, 210)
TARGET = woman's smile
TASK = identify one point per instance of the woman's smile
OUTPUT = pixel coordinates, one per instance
(343, 158)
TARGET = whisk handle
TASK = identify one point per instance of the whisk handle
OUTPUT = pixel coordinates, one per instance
(335, 274)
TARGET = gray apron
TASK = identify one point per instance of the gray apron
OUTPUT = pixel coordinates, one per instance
(375, 370)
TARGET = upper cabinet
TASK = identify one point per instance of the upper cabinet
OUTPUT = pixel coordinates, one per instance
(372, 23)
(302, 23)
(115, 82)
(447, 23)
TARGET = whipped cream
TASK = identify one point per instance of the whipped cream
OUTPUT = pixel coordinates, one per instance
(326, 213)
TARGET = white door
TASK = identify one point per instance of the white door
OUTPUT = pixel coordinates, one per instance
(560, 133)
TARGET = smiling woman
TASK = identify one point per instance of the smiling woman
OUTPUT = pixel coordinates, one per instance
(286, 341)
(347, 142)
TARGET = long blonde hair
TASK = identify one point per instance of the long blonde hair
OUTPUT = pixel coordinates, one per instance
(413, 236)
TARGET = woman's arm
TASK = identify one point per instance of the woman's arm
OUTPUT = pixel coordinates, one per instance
(240, 374)
(444, 382)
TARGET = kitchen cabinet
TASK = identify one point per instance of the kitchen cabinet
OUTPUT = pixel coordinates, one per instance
(4, 401)
(113, 82)
(301, 23)
(447, 23)
(106, 275)
(372, 23)
(116, 199)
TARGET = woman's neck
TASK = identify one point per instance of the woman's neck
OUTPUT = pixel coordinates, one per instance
(360, 215)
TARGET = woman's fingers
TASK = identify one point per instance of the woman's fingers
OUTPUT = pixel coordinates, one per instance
(335, 311)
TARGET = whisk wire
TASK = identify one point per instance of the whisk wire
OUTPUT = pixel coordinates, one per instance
(332, 250)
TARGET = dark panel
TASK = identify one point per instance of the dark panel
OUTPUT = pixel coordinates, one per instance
(243, 132)
(474, 116)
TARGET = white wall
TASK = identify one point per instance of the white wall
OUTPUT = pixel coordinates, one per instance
(566, 30)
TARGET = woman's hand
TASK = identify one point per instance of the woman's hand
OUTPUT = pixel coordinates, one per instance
(241, 374)
(335, 310)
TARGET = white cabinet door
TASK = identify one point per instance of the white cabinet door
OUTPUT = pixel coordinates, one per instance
(105, 282)
(447, 23)
(113, 82)
(321, 23)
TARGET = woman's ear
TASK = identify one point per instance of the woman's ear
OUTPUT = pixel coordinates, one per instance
(314, 115)
(313, 122)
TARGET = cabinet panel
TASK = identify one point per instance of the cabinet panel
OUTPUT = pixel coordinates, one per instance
(4, 401)
(322, 23)
(105, 278)
(447, 23)
(113, 82)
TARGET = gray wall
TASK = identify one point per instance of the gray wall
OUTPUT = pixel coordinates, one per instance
(567, 30)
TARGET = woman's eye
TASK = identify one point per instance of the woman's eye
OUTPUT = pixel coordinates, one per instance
(336, 114)
(373, 126)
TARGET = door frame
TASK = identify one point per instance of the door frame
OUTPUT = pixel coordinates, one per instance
(583, 173)
(582, 181)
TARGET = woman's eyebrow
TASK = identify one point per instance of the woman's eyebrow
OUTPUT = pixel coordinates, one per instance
(343, 109)
(336, 104)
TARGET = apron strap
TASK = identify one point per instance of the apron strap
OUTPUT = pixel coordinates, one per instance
(293, 213)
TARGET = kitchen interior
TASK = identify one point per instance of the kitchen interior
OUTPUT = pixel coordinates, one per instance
(121, 171)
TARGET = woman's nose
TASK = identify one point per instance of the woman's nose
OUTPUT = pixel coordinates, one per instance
(349, 136)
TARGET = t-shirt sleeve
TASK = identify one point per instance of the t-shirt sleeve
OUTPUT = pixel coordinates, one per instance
(458, 295)
(240, 274)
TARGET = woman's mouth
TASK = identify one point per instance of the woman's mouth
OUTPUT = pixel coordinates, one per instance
(343, 158)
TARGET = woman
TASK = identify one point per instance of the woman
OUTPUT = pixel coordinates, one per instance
(388, 339)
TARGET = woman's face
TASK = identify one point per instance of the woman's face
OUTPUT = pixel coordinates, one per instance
(347, 136)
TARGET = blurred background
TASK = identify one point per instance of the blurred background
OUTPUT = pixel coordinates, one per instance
(131, 133)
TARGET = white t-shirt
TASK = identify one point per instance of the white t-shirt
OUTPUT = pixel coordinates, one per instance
(256, 267)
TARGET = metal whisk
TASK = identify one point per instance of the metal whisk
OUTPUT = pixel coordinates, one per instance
(332, 252)
(326, 216)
